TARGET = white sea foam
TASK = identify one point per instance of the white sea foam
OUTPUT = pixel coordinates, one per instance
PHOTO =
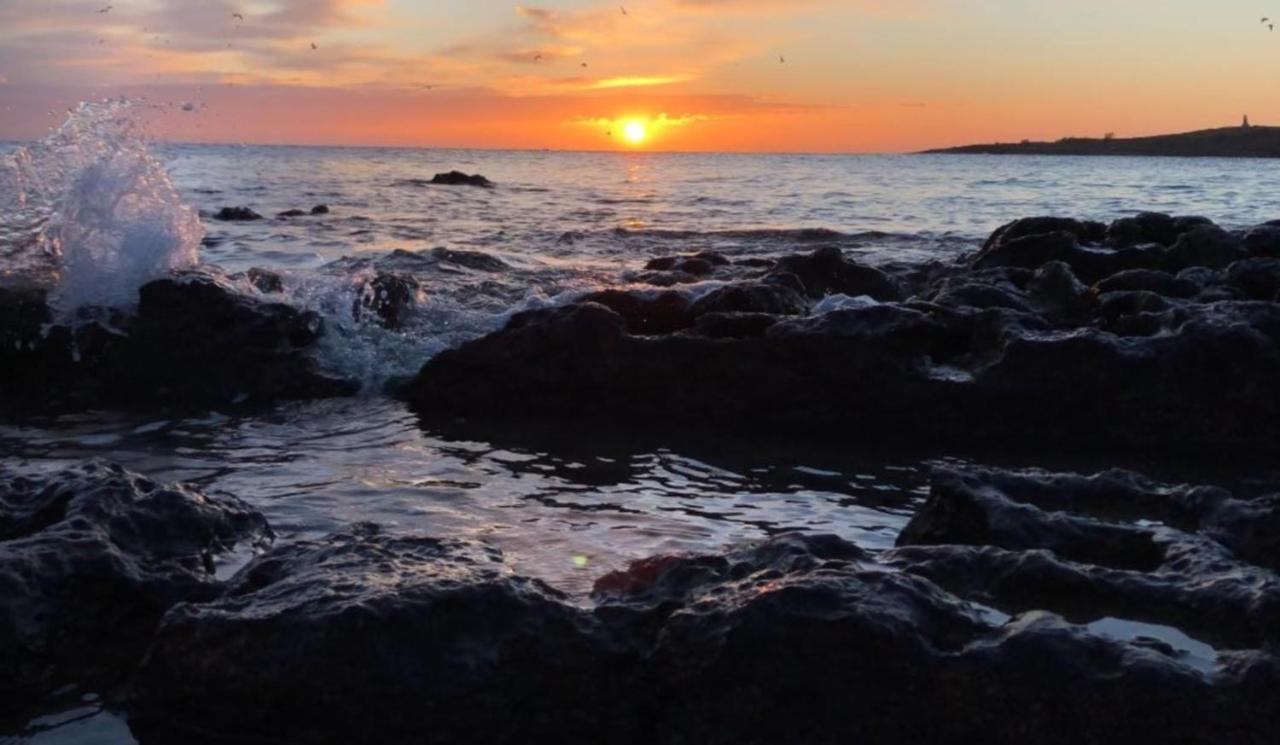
(92, 212)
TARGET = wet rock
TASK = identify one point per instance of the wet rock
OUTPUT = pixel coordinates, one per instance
(805, 639)
(390, 296)
(827, 271)
(476, 260)
(1256, 279)
(1150, 227)
(735, 325)
(1149, 280)
(90, 558)
(697, 265)
(194, 341)
(646, 314)
(320, 209)
(775, 298)
(1055, 289)
(236, 214)
(1114, 544)
(1204, 245)
(291, 213)
(1082, 230)
(1088, 263)
(370, 637)
(1263, 241)
(458, 178)
(265, 281)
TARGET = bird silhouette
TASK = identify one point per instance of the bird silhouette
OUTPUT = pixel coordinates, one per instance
(1264, 20)
(782, 60)
(584, 64)
(624, 10)
(238, 16)
(105, 10)
(313, 45)
(537, 57)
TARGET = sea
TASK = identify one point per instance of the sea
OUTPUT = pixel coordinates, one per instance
(566, 503)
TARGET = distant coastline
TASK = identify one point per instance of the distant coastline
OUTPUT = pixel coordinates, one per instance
(1225, 142)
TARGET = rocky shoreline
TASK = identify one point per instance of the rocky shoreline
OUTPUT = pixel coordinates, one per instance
(373, 636)
(993, 619)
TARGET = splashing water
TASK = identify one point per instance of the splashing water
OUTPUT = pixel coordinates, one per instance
(89, 211)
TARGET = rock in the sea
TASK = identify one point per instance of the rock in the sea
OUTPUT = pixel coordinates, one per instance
(291, 213)
(1111, 545)
(774, 297)
(1204, 245)
(697, 265)
(320, 209)
(477, 260)
(90, 558)
(193, 341)
(390, 296)
(827, 271)
(368, 637)
(646, 314)
(458, 178)
(236, 214)
(371, 637)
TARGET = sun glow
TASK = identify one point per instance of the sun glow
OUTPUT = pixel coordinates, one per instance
(635, 132)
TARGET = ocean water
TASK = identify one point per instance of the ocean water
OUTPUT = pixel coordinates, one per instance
(566, 503)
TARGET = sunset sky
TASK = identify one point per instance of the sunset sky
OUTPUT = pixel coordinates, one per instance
(859, 76)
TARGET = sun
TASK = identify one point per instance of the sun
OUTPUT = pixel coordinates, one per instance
(636, 132)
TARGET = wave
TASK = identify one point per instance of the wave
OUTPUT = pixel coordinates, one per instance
(92, 212)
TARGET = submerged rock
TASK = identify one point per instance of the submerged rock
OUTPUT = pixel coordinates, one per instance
(90, 558)
(458, 178)
(236, 214)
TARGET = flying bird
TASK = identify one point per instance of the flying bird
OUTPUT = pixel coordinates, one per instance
(313, 45)
(537, 57)
(238, 16)
(624, 10)
(782, 60)
(584, 64)
(105, 10)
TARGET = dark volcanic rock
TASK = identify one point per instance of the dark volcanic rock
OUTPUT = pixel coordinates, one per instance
(1204, 245)
(805, 639)
(827, 271)
(194, 341)
(470, 259)
(1089, 263)
(390, 296)
(236, 214)
(458, 178)
(1264, 241)
(698, 265)
(367, 637)
(1149, 280)
(646, 314)
(90, 558)
(1150, 227)
(320, 209)
(1082, 230)
(1110, 545)
(776, 298)
(1256, 279)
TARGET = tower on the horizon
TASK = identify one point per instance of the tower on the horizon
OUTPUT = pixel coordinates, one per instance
(1246, 122)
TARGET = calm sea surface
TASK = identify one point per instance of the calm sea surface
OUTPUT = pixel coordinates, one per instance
(568, 504)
